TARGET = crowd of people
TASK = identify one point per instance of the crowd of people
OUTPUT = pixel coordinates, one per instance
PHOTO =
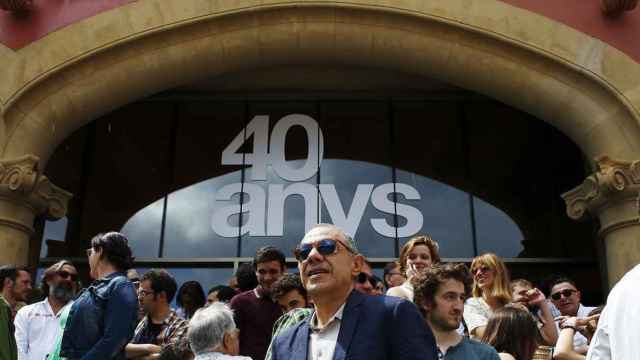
(333, 308)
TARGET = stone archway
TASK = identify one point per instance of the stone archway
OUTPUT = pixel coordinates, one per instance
(588, 91)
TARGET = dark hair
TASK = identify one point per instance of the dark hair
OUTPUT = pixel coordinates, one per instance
(115, 249)
(246, 276)
(11, 272)
(388, 269)
(426, 283)
(558, 279)
(51, 270)
(285, 284)
(225, 293)
(161, 281)
(267, 254)
(512, 330)
(193, 289)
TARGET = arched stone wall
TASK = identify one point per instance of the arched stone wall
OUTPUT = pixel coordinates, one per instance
(585, 88)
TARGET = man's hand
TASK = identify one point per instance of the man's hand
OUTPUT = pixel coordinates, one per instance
(535, 297)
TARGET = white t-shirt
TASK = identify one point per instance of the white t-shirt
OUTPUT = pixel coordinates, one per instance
(476, 313)
(617, 334)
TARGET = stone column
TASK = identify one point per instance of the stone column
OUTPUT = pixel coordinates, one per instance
(611, 194)
(24, 194)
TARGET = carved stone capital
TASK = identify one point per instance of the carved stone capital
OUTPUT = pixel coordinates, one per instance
(612, 182)
(23, 184)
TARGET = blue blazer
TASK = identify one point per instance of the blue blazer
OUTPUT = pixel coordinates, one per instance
(372, 328)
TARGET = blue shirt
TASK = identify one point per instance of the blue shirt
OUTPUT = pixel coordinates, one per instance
(102, 320)
(469, 349)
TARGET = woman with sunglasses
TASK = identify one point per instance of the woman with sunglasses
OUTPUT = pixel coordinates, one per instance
(102, 319)
(418, 253)
(490, 292)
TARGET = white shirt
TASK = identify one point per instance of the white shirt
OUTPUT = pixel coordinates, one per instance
(322, 342)
(617, 334)
(37, 329)
(476, 313)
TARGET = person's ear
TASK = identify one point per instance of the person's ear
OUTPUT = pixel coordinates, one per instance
(227, 341)
(578, 295)
(358, 263)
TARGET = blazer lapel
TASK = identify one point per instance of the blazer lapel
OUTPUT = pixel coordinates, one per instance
(348, 324)
(301, 341)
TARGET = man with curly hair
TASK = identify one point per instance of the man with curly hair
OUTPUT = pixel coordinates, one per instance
(440, 291)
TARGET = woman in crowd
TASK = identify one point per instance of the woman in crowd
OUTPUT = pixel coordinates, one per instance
(490, 292)
(190, 298)
(568, 326)
(102, 319)
(513, 333)
(418, 253)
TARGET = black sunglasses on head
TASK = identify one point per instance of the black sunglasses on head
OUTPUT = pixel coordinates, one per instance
(325, 247)
(565, 293)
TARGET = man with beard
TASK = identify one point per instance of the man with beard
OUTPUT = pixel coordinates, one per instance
(38, 325)
(440, 291)
(161, 326)
(15, 284)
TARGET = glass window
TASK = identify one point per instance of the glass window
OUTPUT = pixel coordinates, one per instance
(200, 219)
(431, 169)
(356, 175)
(130, 169)
(281, 197)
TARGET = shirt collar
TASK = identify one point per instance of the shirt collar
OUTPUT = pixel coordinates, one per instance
(313, 324)
(167, 321)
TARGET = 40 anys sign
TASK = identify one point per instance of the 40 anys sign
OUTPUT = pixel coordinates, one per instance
(264, 204)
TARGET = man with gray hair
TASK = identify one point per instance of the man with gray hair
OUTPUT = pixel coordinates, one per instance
(213, 334)
(38, 325)
(347, 324)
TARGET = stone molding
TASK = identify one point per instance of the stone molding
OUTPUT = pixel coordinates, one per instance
(23, 184)
(613, 181)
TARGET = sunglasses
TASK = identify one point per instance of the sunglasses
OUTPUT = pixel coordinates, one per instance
(325, 247)
(66, 275)
(566, 293)
(363, 278)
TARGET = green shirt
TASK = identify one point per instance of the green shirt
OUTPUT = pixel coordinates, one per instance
(286, 321)
(8, 348)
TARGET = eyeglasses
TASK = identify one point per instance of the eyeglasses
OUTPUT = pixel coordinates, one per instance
(143, 292)
(566, 293)
(66, 275)
(325, 247)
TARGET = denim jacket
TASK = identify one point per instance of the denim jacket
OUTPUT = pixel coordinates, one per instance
(102, 320)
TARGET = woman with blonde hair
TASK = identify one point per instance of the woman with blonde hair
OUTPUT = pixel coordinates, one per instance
(490, 292)
(418, 253)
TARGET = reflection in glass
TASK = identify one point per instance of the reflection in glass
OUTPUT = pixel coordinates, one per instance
(445, 211)
(53, 231)
(495, 231)
(143, 230)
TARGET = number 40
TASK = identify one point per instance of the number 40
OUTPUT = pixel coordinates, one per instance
(261, 156)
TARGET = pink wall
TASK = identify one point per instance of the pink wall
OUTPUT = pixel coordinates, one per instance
(584, 15)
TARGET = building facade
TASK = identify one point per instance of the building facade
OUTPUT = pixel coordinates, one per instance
(206, 129)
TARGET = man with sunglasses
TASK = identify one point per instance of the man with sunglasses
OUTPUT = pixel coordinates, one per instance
(38, 325)
(566, 298)
(365, 282)
(347, 323)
